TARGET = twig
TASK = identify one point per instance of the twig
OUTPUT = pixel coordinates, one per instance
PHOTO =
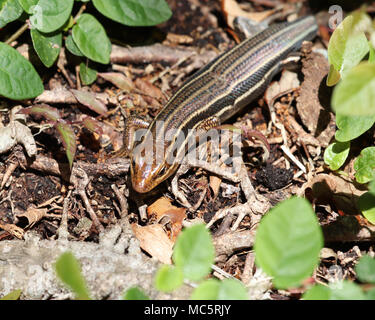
(81, 10)
(62, 231)
(17, 34)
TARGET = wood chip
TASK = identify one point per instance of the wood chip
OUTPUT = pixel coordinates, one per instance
(33, 215)
(313, 103)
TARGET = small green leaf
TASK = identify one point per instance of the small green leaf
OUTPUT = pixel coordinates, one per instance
(68, 138)
(333, 76)
(69, 271)
(212, 289)
(10, 10)
(288, 242)
(87, 75)
(365, 269)
(14, 295)
(169, 278)
(91, 39)
(68, 24)
(336, 153)
(134, 13)
(18, 78)
(47, 46)
(346, 290)
(28, 5)
(351, 127)
(365, 165)
(72, 47)
(354, 95)
(49, 15)
(348, 45)
(135, 294)
(317, 292)
(194, 252)
(366, 203)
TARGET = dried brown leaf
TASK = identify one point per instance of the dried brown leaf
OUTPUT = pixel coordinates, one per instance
(119, 80)
(149, 89)
(313, 102)
(89, 100)
(165, 213)
(335, 190)
(231, 10)
(288, 82)
(154, 241)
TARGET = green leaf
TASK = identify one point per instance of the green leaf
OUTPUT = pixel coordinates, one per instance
(288, 242)
(135, 294)
(365, 269)
(68, 24)
(14, 295)
(91, 39)
(47, 46)
(50, 15)
(371, 57)
(69, 271)
(68, 138)
(72, 47)
(169, 278)
(317, 292)
(18, 78)
(194, 252)
(351, 127)
(134, 12)
(333, 76)
(371, 187)
(10, 10)
(28, 5)
(366, 203)
(212, 289)
(336, 154)
(370, 295)
(87, 75)
(346, 290)
(354, 95)
(348, 45)
(365, 165)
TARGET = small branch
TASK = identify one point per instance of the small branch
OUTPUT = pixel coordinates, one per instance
(17, 34)
(81, 10)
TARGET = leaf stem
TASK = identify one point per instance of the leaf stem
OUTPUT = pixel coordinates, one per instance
(17, 34)
(81, 10)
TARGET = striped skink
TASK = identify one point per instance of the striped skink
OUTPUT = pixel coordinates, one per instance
(212, 95)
